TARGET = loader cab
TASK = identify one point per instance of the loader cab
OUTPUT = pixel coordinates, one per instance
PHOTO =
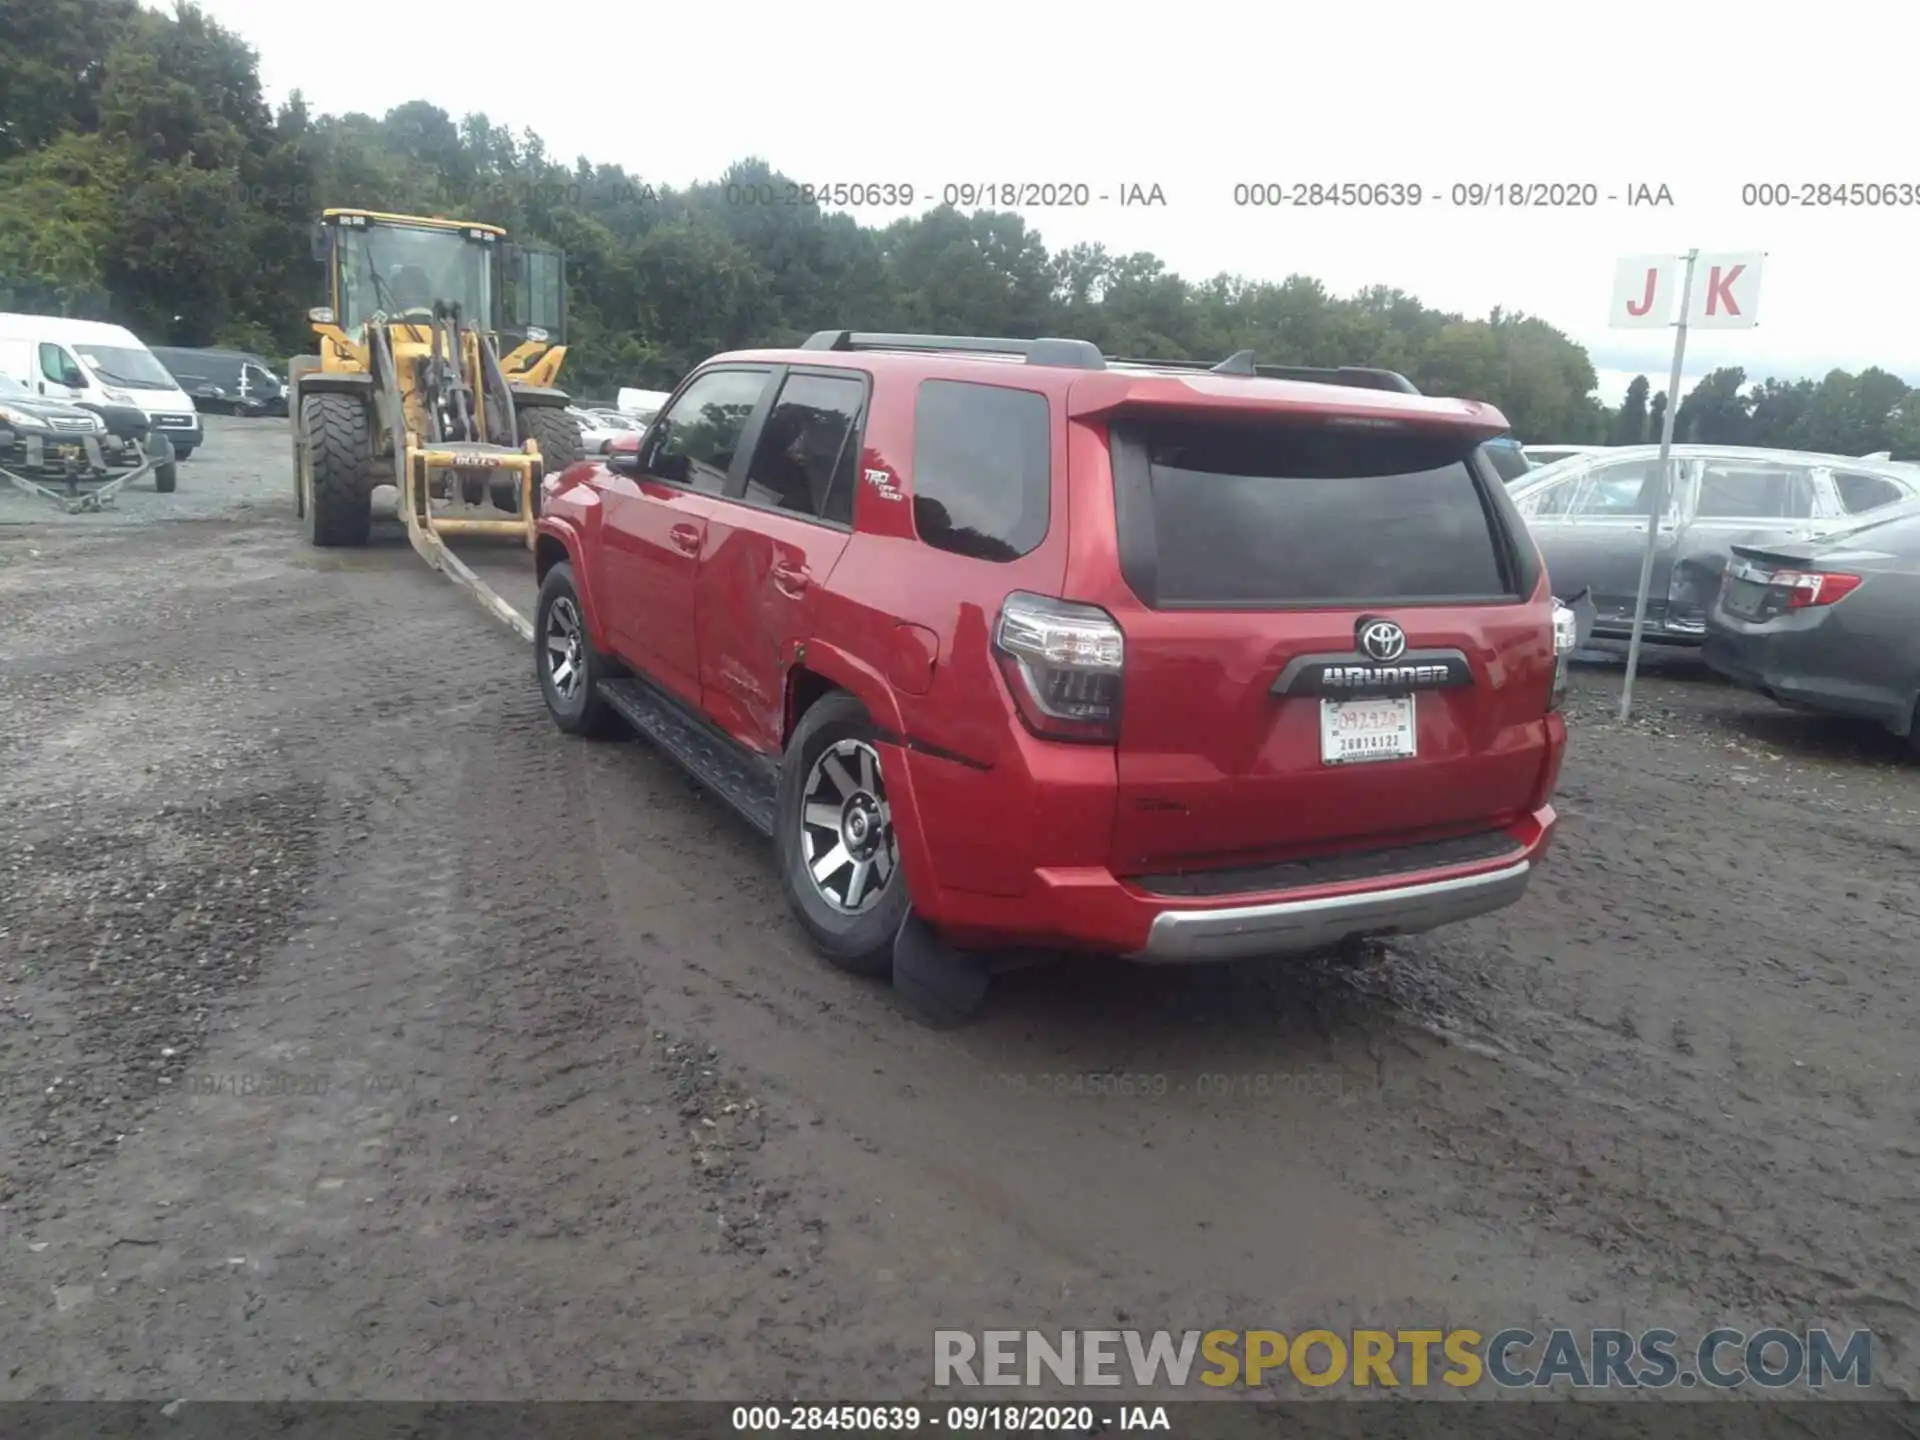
(396, 267)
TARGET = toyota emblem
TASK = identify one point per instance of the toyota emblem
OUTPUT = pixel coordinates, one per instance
(1382, 639)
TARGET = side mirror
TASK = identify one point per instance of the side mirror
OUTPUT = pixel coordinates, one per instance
(73, 379)
(317, 241)
(624, 452)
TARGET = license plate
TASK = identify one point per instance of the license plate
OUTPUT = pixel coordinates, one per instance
(1745, 598)
(1355, 730)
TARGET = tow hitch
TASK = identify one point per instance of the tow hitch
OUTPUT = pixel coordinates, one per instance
(73, 464)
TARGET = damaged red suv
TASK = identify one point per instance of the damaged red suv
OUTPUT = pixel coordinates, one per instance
(1008, 645)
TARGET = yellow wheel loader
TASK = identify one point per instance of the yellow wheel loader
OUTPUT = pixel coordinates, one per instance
(410, 388)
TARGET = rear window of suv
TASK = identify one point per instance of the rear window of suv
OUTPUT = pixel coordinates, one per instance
(1238, 515)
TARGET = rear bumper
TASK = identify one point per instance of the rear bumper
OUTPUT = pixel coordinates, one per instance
(1278, 927)
(1091, 909)
(1791, 662)
(1017, 853)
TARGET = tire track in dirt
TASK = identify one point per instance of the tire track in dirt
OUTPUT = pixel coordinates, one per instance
(1075, 1206)
(597, 1122)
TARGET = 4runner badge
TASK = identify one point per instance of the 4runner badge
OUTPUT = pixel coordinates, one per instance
(885, 485)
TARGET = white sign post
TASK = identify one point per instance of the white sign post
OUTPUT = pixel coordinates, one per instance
(1717, 292)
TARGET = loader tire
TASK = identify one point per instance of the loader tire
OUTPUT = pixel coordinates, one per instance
(558, 437)
(338, 469)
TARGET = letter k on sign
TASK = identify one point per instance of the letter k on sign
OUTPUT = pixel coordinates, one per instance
(1726, 292)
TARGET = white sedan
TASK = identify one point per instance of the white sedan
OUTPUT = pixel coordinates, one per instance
(599, 428)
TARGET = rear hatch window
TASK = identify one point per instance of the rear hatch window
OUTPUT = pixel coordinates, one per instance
(1234, 515)
(1252, 549)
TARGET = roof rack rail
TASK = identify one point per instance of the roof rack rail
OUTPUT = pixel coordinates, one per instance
(1066, 354)
(1241, 362)
(1085, 355)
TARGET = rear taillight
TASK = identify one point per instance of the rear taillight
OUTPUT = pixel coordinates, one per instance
(1566, 634)
(1808, 588)
(1063, 665)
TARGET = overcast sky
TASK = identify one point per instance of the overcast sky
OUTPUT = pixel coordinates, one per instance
(1196, 98)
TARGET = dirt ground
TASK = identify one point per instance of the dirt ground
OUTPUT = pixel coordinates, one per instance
(362, 1036)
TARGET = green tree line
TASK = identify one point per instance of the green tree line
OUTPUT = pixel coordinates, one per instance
(145, 178)
(1844, 414)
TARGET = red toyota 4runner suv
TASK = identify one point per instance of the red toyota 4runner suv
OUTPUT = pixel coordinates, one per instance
(1037, 649)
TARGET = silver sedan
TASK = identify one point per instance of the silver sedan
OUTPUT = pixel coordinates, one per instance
(1588, 514)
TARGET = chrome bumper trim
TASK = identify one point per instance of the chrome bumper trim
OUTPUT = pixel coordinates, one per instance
(1291, 927)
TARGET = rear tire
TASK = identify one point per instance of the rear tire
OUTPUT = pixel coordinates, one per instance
(569, 668)
(166, 475)
(336, 446)
(833, 748)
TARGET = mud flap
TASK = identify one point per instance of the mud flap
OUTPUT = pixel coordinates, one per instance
(942, 985)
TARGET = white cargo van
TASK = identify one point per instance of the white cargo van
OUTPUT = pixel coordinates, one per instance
(643, 402)
(89, 362)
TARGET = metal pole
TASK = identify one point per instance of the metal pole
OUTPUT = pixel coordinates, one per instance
(1658, 509)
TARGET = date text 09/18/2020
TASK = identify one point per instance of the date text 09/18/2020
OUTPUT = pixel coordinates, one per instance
(1247, 194)
(973, 1419)
(1460, 194)
(964, 194)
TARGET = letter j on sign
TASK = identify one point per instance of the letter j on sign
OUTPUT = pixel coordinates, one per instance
(1645, 289)
(1726, 292)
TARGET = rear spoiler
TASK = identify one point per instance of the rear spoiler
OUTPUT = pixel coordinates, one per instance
(1777, 556)
(1361, 406)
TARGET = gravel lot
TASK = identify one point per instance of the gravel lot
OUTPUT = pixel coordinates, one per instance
(363, 1036)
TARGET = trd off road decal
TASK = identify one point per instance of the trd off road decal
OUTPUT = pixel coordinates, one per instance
(884, 485)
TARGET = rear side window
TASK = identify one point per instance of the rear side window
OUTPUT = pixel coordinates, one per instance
(1865, 492)
(1623, 490)
(982, 468)
(809, 448)
(1245, 515)
(1756, 492)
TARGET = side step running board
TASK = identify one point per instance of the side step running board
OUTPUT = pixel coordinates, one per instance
(744, 780)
